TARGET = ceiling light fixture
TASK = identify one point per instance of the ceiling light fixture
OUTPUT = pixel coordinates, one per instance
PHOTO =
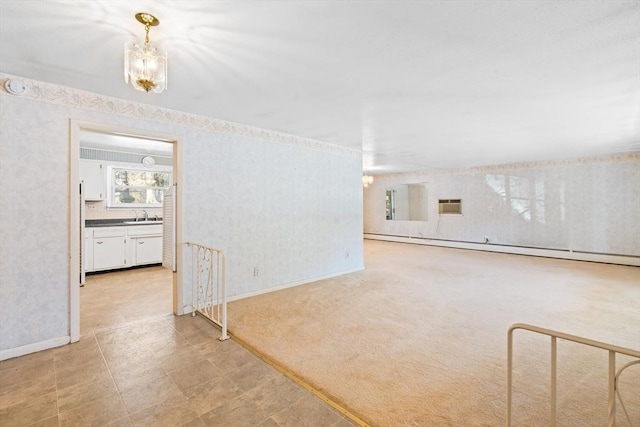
(145, 62)
(367, 180)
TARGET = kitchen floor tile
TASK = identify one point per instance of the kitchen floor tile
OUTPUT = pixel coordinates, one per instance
(84, 393)
(150, 393)
(49, 422)
(19, 392)
(29, 411)
(211, 394)
(17, 362)
(239, 412)
(26, 371)
(195, 374)
(170, 412)
(99, 412)
(308, 408)
(90, 372)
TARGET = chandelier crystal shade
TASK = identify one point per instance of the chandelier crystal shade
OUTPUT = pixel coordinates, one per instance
(145, 62)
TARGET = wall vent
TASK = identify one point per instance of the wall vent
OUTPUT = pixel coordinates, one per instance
(119, 157)
(450, 206)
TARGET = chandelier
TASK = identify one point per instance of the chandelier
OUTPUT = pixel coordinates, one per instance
(145, 62)
(367, 180)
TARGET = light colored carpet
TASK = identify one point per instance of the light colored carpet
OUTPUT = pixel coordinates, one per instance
(419, 337)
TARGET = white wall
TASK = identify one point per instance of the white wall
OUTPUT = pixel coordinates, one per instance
(288, 211)
(418, 202)
(291, 207)
(34, 222)
(588, 205)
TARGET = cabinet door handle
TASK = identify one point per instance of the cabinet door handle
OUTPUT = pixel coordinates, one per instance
(140, 243)
(99, 243)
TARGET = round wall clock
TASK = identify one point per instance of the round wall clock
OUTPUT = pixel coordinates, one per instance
(148, 161)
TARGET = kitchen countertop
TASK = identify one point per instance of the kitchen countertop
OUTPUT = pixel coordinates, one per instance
(119, 222)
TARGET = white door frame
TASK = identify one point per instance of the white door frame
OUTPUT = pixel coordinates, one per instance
(76, 126)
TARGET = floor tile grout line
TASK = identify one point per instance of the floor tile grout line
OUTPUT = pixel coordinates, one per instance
(192, 349)
(110, 373)
(129, 323)
(174, 383)
(165, 373)
(16, 384)
(288, 406)
(55, 380)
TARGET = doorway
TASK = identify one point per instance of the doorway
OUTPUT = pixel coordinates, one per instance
(144, 155)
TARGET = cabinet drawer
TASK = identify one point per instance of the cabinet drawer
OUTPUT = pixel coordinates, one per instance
(145, 230)
(109, 232)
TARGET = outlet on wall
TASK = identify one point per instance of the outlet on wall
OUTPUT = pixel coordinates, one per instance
(255, 271)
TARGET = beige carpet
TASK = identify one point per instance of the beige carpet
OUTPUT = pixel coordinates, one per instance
(419, 337)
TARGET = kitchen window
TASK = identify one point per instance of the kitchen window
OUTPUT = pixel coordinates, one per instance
(137, 188)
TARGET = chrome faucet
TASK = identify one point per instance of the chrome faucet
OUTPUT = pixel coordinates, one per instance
(146, 215)
(136, 215)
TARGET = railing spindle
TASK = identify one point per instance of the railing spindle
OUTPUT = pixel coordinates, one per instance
(612, 389)
(209, 285)
(554, 370)
(612, 349)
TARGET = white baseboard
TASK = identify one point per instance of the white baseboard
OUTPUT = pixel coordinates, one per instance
(33, 348)
(292, 284)
(517, 250)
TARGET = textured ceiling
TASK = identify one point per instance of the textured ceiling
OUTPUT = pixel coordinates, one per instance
(415, 84)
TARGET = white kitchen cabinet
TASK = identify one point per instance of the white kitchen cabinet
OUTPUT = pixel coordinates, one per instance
(123, 246)
(93, 175)
(148, 250)
(145, 244)
(109, 248)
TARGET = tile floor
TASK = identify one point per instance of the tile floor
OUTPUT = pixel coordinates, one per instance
(137, 364)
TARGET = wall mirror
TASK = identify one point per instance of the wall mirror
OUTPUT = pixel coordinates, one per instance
(407, 202)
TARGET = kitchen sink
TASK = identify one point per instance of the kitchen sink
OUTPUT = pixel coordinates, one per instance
(141, 222)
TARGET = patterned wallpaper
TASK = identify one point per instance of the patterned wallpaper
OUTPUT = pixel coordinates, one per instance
(292, 207)
(586, 205)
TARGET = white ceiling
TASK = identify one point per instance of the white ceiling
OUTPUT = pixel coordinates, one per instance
(415, 84)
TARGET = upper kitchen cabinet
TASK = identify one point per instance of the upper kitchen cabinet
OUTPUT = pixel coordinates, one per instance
(93, 174)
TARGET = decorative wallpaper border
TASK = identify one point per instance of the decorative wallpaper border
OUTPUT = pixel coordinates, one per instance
(614, 158)
(70, 97)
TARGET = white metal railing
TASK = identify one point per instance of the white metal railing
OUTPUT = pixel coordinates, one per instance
(613, 375)
(209, 285)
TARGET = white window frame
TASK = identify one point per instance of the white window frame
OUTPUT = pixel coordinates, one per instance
(111, 184)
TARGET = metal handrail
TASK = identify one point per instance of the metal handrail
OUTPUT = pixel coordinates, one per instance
(221, 290)
(612, 349)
